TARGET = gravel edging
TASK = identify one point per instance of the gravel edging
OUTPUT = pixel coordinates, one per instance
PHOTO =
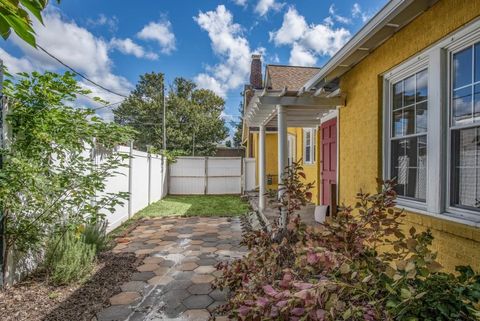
(36, 300)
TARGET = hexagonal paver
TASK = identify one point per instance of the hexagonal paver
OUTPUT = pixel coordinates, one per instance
(153, 260)
(161, 270)
(147, 267)
(212, 307)
(205, 269)
(202, 278)
(197, 301)
(219, 295)
(200, 288)
(114, 313)
(189, 266)
(133, 286)
(196, 315)
(160, 280)
(142, 276)
(124, 298)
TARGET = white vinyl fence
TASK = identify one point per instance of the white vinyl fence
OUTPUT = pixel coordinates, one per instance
(144, 176)
(210, 176)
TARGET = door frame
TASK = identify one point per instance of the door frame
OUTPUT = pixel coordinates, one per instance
(292, 143)
(329, 116)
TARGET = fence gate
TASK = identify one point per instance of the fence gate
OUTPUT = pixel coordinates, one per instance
(206, 175)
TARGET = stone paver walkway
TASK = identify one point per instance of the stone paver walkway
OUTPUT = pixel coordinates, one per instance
(174, 281)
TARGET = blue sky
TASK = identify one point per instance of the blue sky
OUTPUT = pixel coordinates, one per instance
(210, 42)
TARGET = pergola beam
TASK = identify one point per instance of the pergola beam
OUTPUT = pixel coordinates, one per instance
(302, 101)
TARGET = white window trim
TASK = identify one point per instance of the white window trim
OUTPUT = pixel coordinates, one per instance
(400, 73)
(313, 145)
(436, 59)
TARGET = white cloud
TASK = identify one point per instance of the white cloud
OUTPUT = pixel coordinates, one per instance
(14, 64)
(308, 42)
(263, 6)
(241, 3)
(232, 48)
(128, 47)
(162, 33)
(357, 12)
(301, 56)
(103, 20)
(293, 28)
(337, 17)
(76, 47)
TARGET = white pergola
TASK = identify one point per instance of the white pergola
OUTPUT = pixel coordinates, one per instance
(283, 109)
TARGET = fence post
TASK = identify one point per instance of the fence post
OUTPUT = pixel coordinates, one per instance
(206, 176)
(130, 180)
(149, 160)
(242, 175)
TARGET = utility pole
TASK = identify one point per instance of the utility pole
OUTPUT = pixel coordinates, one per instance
(164, 116)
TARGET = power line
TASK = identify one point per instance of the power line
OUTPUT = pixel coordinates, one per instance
(106, 106)
(80, 74)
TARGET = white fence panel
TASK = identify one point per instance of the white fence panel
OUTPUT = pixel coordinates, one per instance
(206, 175)
(156, 184)
(187, 176)
(224, 175)
(140, 176)
(115, 184)
(250, 176)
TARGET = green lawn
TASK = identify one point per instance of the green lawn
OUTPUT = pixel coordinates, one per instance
(196, 205)
(191, 205)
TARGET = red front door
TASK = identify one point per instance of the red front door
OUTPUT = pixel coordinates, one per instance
(329, 159)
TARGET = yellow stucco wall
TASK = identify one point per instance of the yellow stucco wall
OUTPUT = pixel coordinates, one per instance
(271, 146)
(360, 137)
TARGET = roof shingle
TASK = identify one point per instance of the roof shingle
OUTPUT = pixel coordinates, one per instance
(292, 77)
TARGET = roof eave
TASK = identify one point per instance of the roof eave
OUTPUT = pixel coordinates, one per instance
(383, 19)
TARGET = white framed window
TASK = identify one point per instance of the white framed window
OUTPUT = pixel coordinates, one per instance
(431, 128)
(309, 145)
(464, 127)
(406, 105)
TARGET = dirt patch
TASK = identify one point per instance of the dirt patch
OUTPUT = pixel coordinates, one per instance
(36, 300)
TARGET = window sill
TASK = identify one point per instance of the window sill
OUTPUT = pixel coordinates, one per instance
(447, 216)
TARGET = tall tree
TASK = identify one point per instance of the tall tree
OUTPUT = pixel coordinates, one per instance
(237, 137)
(143, 111)
(193, 125)
(15, 15)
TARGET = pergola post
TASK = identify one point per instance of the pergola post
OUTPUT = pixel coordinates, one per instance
(282, 155)
(261, 169)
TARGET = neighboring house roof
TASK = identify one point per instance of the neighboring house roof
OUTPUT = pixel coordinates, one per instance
(293, 77)
(391, 18)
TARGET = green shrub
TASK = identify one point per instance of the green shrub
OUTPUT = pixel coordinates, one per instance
(68, 258)
(341, 271)
(95, 234)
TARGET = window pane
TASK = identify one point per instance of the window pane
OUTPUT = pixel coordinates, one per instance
(398, 95)
(462, 106)
(397, 150)
(422, 86)
(307, 154)
(465, 176)
(409, 159)
(409, 96)
(476, 102)
(462, 68)
(409, 120)
(477, 62)
(421, 118)
(421, 188)
(397, 123)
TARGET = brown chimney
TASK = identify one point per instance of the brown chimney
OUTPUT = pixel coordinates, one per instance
(256, 78)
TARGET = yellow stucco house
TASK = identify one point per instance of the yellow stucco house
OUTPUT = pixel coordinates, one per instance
(400, 100)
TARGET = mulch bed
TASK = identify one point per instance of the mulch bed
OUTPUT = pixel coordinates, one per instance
(36, 300)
